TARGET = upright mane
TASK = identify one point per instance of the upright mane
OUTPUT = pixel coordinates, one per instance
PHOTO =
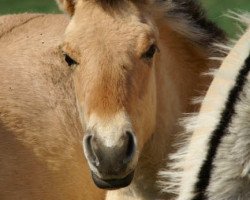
(190, 20)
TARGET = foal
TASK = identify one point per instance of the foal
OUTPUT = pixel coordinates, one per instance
(135, 64)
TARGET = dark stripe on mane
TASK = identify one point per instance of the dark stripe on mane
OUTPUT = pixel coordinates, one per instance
(219, 133)
(193, 11)
(110, 3)
(198, 15)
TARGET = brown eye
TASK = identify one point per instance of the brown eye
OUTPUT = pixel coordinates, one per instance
(150, 52)
(70, 61)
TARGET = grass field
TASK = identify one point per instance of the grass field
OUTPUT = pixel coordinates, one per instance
(20, 6)
(216, 9)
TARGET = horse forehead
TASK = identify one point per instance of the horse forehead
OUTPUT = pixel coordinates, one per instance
(100, 35)
(112, 30)
(107, 39)
(97, 23)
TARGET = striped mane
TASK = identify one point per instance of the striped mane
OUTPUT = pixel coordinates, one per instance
(214, 162)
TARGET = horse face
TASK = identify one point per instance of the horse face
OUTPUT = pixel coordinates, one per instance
(112, 55)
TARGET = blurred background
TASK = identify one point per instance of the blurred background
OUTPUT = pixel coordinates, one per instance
(216, 9)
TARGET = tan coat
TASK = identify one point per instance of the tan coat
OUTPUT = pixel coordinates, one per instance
(41, 156)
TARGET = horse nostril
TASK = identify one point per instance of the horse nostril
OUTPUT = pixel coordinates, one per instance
(89, 152)
(130, 147)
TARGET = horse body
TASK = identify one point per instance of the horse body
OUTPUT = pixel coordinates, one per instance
(134, 67)
(41, 154)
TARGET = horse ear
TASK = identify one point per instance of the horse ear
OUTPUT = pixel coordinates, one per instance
(67, 6)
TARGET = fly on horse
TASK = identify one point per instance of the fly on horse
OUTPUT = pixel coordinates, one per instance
(118, 78)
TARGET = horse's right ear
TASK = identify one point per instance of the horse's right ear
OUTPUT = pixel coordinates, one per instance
(67, 6)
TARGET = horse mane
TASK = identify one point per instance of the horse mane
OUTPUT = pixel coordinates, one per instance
(190, 19)
(195, 16)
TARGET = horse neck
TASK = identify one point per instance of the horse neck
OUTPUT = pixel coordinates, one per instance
(178, 78)
(179, 69)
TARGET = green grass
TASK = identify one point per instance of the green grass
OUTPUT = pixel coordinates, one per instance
(20, 6)
(216, 9)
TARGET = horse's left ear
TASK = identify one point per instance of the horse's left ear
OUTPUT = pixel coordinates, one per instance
(67, 6)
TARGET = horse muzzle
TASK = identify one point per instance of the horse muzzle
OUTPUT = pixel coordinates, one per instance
(112, 166)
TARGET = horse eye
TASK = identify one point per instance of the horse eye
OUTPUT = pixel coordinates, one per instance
(70, 61)
(150, 52)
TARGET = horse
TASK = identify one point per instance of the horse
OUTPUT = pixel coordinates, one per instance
(214, 164)
(134, 65)
(41, 155)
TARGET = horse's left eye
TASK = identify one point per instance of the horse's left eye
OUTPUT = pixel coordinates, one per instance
(150, 52)
(70, 61)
